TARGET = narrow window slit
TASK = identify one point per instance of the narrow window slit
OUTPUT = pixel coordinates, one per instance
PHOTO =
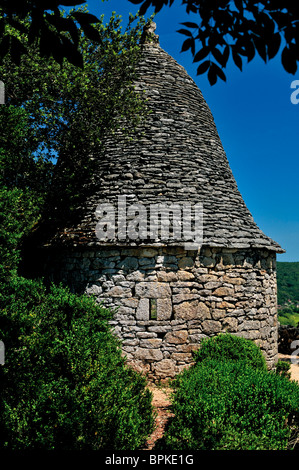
(153, 309)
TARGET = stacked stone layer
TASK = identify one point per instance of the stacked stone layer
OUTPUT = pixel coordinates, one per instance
(174, 156)
(197, 295)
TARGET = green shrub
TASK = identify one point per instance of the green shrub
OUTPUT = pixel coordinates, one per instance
(283, 368)
(226, 346)
(227, 405)
(65, 384)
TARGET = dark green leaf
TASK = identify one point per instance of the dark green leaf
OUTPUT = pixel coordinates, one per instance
(288, 60)
(144, 7)
(274, 45)
(187, 44)
(239, 5)
(219, 72)
(219, 56)
(186, 32)
(212, 75)
(237, 59)
(92, 33)
(203, 67)
(201, 54)
(226, 53)
(188, 24)
(261, 47)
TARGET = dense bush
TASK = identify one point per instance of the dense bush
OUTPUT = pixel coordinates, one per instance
(229, 401)
(226, 346)
(226, 405)
(65, 384)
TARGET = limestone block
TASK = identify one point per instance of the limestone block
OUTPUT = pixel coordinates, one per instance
(182, 357)
(128, 263)
(223, 291)
(208, 278)
(227, 305)
(164, 309)
(152, 290)
(176, 337)
(164, 276)
(148, 262)
(118, 278)
(184, 297)
(184, 275)
(191, 310)
(196, 338)
(150, 355)
(230, 324)
(165, 368)
(211, 327)
(151, 343)
(135, 276)
(94, 290)
(142, 311)
(119, 291)
(233, 280)
(139, 366)
(185, 263)
(208, 262)
(130, 302)
(148, 252)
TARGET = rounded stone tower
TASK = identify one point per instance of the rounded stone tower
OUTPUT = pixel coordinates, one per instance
(165, 238)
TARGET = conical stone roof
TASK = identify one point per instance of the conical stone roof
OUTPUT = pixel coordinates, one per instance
(175, 156)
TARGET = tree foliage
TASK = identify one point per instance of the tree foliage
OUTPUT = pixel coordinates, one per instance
(46, 27)
(24, 180)
(65, 384)
(287, 282)
(69, 108)
(240, 29)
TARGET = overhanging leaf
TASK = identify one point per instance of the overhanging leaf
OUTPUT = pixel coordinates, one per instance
(203, 67)
(288, 59)
(201, 54)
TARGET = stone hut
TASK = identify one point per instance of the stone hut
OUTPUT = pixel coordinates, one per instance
(169, 294)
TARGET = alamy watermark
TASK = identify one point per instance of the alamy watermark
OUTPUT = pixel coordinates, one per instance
(295, 94)
(295, 354)
(2, 353)
(161, 222)
(2, 93)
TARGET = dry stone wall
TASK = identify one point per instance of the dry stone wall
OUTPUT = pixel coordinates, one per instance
(166, 299)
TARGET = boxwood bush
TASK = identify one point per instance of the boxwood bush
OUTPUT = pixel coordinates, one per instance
(225, 403)
(226, 346)
(64, 384)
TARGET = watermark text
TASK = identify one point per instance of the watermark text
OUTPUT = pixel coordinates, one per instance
(161, 222)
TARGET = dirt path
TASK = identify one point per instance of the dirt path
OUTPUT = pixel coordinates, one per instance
(161, 403)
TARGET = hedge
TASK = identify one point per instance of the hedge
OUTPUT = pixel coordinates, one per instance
(65, 384)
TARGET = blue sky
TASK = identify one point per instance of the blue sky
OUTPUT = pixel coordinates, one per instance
(256, 121)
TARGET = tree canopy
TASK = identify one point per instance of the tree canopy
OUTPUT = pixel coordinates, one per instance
(225, 28)
(239, 29)
(55, 34)
(59, 113)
